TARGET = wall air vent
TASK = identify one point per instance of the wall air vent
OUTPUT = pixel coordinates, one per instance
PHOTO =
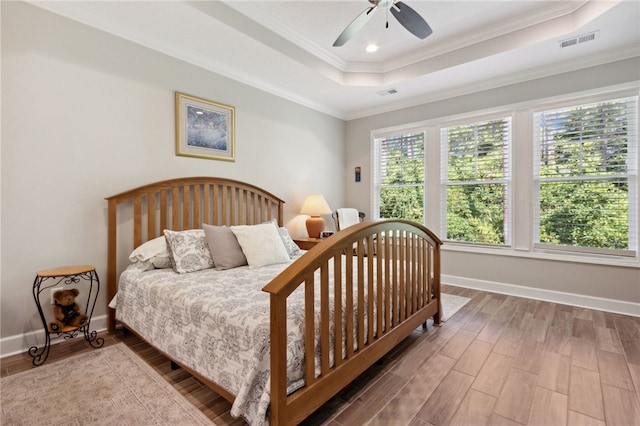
(386, 92)
(579, 39)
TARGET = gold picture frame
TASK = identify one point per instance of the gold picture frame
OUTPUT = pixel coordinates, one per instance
(204, 129)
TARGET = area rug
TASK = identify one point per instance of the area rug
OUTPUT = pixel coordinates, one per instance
(107, 386)
(451, 304)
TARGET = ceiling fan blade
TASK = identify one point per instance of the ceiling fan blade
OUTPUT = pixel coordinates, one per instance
(355, 26)
(411, 20)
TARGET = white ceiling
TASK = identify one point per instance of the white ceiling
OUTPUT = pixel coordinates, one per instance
(285, 47)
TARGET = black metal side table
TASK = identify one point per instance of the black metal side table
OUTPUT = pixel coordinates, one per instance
(63, 277)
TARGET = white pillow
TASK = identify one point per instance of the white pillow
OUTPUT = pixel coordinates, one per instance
(261, 244)
(188, 250)
(153, 253)
(289, 244)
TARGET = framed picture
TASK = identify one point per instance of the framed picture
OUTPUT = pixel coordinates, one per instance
(204, 129)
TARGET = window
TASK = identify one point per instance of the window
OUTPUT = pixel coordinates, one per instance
(585, 175)
(475, 182)
(548, 181)
(399, 178)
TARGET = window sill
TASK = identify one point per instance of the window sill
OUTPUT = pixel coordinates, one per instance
(627, 262)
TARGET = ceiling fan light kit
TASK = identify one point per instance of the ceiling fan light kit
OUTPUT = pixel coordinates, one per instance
(372, 48)
(408, 18)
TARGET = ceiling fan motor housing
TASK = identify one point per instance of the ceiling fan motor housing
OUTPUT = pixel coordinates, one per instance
(408, 18)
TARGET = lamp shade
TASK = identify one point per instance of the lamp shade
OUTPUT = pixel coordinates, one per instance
(315, 205)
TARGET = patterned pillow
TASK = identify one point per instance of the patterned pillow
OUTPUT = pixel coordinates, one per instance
(261, 244)
(290, 245)
(188, 250)
(224, 247)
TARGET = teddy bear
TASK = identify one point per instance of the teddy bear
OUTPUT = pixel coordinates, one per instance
(66, 311)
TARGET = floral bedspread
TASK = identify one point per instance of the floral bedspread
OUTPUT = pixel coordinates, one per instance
(216, 323)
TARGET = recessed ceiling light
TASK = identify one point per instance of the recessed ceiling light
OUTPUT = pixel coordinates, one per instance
(372, 48)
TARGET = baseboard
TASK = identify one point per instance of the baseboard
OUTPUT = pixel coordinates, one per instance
(20, 343)
(583, 301)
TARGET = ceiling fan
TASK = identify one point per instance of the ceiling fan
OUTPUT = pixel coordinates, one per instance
(409, 18)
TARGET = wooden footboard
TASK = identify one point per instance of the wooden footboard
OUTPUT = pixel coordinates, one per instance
(390, 285)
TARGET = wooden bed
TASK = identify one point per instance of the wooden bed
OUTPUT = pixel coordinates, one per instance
(395, 266)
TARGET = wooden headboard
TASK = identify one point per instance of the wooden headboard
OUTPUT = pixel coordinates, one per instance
(184, 203)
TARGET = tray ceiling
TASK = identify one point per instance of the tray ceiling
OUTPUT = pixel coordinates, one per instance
(285, 47)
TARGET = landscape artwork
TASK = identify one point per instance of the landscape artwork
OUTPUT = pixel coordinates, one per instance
(204, 128)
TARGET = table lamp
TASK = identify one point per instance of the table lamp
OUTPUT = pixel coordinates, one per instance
(315, 205)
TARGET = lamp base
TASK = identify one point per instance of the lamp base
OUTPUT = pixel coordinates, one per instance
(315, 225)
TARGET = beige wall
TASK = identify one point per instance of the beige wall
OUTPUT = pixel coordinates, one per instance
(544, 276)
(86, 115)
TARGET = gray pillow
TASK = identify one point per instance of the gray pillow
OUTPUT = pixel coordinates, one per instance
(224, 247)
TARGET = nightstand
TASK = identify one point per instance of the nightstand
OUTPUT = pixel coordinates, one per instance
(307, 243)
(62, 278)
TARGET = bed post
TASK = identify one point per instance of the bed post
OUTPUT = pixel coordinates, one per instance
(436, 282)
(111, 262)
(278, 359)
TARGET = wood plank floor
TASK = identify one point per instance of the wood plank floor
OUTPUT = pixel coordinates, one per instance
(501, 360)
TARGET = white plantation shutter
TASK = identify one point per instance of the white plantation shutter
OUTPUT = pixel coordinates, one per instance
(585, 177)
(396, 152)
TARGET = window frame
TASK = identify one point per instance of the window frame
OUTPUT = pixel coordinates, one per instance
(631, 177)
(376, 172)
(506, 180)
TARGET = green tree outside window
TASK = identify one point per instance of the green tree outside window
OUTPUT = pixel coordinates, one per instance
(583, 167)
(476, 181)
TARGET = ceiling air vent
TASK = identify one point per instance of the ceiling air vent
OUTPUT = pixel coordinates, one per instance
(386, 92)
(579, 39)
